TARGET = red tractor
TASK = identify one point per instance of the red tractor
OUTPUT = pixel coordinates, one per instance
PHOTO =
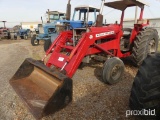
(4, 33)
(46, 86)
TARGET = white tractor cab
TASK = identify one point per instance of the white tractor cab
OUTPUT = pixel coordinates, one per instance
(55, 15)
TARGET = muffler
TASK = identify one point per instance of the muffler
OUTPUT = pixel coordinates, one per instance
(43, 90)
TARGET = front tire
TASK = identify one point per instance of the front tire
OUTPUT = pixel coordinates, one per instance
(113, 70)
(34, 41)
(22, 37)
(145, 92)
(25, 37)
(47, 44)
(15, 37)
(146, 42)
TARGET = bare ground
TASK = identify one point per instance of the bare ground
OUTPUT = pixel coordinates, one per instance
(92, 99)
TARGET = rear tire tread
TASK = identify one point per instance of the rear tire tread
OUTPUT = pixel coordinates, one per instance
(145, 92)
(140, 48)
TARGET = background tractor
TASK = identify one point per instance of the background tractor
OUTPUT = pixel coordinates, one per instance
(5, 33)
(24, 33)
(48, 30)
(46, 86)
(145, 92)
(80, 21)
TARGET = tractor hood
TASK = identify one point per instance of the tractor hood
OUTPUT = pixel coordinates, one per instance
(113, 28)
(49, 25)
(49, 28)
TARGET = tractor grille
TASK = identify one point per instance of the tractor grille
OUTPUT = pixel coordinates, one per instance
(4, 30)
(51, 30)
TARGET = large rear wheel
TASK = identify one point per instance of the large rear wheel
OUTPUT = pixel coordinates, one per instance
(145, 92)
(112, 70)
(146, 42)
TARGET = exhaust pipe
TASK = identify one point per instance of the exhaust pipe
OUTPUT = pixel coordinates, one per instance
(68, 10)
(99, 21)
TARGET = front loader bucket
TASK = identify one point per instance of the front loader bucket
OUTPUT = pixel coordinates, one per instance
(42, 89)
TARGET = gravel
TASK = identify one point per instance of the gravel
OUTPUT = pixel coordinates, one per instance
(92, 99)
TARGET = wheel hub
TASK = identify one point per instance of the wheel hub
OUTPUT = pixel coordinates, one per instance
(116, 72)
(152, 46)
(36, 42)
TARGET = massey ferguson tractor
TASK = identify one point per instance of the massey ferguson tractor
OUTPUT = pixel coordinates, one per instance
(145, 92)
(46, 86)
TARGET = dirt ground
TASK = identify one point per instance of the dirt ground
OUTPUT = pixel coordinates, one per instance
(92, 99)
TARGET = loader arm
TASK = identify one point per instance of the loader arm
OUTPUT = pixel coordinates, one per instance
(70, 61)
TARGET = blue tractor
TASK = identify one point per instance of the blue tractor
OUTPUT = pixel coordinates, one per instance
(24, 33)
(46, 31)
(79, 23)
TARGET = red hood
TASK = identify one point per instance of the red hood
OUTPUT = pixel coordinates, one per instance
(111, 27)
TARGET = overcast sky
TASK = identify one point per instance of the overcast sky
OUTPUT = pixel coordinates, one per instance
(16, 11)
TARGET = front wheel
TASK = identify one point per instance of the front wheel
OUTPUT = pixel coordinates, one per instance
(25, 37)
(15, 37)
(113, 70)
(21, 37)
(47, 44)
(34, 41)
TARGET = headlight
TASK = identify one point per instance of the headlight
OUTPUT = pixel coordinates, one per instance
(58, 23)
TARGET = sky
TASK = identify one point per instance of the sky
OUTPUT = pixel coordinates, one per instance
(16, 11)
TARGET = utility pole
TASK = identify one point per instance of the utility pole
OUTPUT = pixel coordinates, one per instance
(102, 6)
(48, 12)
(136, 12)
